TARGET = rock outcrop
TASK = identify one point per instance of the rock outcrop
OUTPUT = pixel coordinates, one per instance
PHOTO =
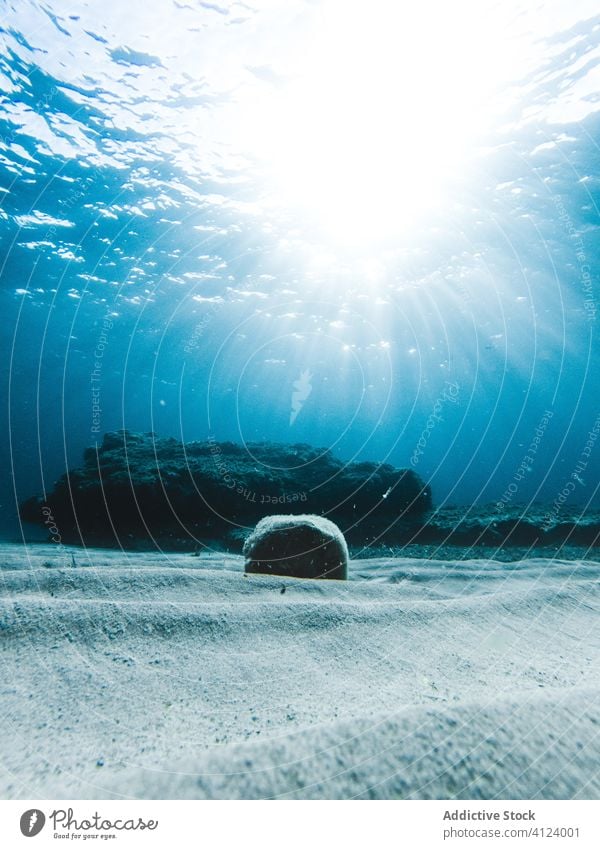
(139, 490)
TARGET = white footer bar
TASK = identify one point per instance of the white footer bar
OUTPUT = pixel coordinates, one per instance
(290, 824)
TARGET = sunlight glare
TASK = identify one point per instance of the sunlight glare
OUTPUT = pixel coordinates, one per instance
(380, 117)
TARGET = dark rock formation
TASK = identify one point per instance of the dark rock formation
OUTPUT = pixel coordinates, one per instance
(137, 490)
(521, 527)
(297, 547)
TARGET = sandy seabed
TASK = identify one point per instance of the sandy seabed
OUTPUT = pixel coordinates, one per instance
(171, 676)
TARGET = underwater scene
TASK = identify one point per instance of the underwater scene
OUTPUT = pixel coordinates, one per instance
(299, 289)
(288, 224)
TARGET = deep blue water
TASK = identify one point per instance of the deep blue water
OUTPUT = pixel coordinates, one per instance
(349, 225)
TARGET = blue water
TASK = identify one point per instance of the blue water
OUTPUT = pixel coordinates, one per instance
(287, 221)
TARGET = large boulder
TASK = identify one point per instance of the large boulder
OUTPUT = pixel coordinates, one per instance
(298, 547)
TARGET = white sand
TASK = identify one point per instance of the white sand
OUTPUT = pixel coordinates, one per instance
(178, 677)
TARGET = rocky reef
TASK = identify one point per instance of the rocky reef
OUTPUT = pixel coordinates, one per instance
(141, 491)
(518, 531)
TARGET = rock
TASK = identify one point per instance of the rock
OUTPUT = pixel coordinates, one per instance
(302, 546)
(518, 526)
(142, 491)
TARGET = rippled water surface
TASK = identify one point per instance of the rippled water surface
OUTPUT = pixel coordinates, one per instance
(360, 226)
